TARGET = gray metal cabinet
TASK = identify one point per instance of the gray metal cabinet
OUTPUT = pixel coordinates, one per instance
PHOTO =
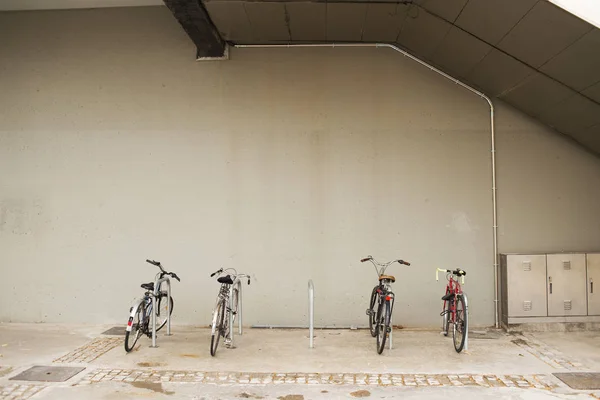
(593, 283)
(566, 284)
(526, 277)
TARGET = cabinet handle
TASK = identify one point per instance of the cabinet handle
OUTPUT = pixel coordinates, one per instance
(591, 286)
(550, 282)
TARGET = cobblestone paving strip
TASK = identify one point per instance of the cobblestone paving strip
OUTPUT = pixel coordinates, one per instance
(90, 351)
(19, 391)
(262, 378)
(547, 354)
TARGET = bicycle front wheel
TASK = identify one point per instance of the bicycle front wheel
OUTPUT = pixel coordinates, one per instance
(459, 332)
(133, 334)
(163, 307)
(372, 314)
(383, 325)
(217, 327)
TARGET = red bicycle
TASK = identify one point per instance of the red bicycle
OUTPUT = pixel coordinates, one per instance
(454, 310)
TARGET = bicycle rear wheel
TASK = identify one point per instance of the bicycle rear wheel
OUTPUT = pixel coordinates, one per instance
(383, 325)
(372, 314)
(132, 336)
(459, 331)
(217, 327)
(161, 307)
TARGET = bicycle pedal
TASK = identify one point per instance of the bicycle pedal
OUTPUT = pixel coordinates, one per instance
(370, 312)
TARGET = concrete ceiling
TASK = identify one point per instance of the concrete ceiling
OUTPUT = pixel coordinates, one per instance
(529, 53)
(14, 5)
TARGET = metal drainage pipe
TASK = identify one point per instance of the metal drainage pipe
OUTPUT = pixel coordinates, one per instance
(464, 85)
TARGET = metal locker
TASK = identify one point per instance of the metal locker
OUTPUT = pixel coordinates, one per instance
(566, 285)
(526, 277)
(593, 283)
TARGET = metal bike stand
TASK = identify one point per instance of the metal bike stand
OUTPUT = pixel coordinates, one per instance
(467, 319)
(236, 284)
(311, 312)
(391, 330)
(157, 284)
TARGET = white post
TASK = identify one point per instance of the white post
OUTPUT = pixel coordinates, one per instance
(391, 330)
(239, 308)
(467, 322)
(168, 307)
(230, 313)
(154, 322)
(311, 312)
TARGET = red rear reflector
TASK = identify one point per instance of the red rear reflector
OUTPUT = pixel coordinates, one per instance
(388, 297)
(129, 323)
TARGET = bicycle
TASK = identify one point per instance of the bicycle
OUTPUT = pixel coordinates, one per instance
(141, 312)
(226, 308)
(454, 310)
(380, 320)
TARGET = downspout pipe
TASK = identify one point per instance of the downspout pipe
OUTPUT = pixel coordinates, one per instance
(464, 85)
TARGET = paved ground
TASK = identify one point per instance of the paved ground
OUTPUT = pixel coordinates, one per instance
(277, 364)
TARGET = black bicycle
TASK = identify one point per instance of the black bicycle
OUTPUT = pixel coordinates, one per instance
(381, 305)
(140, 317)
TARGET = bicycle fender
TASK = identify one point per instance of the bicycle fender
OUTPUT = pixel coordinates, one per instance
(134, 309)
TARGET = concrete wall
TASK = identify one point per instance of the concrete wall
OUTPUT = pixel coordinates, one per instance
(115, 146)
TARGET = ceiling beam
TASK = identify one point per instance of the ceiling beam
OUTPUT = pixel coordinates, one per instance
(196, 22)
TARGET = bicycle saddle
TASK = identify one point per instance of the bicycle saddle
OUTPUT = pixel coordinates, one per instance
(448, 296)
(225, 279)
(388, 277)
(148, 286)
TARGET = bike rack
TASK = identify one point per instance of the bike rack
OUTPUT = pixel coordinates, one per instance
(311, 312)
(467, 318)
(157, 285)
(237, 283)
(391, 329)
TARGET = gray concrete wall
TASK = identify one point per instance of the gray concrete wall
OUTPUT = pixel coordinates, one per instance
(115, 146)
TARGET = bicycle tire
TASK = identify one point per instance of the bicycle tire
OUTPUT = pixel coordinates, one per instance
(372, 315)
(162, 323)
(383, 326)
(136, 329)
(460, 324)
(217, 328)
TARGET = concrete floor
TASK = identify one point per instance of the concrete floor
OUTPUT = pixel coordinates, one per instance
(286, 351)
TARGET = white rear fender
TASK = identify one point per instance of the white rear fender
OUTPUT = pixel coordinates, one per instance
(133, 312)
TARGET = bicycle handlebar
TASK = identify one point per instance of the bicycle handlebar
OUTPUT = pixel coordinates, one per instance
(458, 272)
(163, 272)
(221, 270)
(370, 258)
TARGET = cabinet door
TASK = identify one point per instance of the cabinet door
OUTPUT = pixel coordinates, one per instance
(593, 283)
(526, 281)
(567, 285)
